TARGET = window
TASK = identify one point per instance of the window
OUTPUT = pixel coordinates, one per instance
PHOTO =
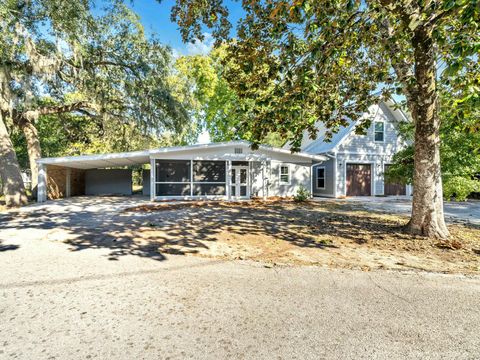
(175, 178)
(209, 177)
(172, 171)
(285, 175)
(209, 171)
(172, 178)
(379, 128)
(320, 178)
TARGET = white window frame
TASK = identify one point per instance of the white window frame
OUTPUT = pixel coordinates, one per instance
(324, 178)
(375, 132)
(280, 174)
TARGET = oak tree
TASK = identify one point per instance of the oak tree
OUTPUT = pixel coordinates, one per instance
(61, 57)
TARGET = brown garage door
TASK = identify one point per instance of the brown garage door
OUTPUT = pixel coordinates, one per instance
(393, 188)
(359, 180)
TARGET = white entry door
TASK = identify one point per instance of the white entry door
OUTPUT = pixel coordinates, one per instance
(239, 182)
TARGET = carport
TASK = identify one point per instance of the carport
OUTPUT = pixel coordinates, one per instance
(88, 174)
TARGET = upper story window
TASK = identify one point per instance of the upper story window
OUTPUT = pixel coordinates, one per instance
(321, 178)
(379, 128)
(285, 175)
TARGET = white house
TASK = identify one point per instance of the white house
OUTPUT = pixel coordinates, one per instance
(349, 165)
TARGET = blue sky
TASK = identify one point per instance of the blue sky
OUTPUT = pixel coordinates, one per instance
(155, 17)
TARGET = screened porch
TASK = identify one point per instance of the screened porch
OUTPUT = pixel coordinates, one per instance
(212, 179)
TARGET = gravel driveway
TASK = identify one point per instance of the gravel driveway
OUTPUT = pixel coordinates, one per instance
(59, 302)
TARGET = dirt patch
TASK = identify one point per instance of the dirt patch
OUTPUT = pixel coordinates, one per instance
(281, 232)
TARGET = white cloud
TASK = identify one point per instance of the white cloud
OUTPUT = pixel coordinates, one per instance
(201, 47)
(203, 138)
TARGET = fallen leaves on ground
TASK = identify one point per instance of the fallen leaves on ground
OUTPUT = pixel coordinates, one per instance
(283, 232)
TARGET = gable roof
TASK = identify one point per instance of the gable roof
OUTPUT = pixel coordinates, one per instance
(321, 146)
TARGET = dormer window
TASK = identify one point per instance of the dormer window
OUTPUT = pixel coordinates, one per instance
(379, 128)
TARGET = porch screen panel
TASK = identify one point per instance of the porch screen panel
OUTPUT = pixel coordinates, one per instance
(209, 177)
(172, 178)
(209, 171)
(200, 189)
(172, 170)
(166, 189)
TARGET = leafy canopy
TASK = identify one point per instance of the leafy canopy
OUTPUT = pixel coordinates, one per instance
(57, 53)
(216, 104)
(307, 60)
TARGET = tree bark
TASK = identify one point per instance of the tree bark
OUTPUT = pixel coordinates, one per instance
(33, 148)
(13, 187)
(427, 208)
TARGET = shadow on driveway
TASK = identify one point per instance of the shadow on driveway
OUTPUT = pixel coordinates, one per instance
(185, 228)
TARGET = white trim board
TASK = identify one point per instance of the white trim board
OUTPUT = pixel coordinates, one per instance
(324, 178)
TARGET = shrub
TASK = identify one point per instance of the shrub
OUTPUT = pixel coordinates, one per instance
(459, 187)
(302, 194)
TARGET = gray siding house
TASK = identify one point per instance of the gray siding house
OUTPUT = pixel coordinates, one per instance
(356, 163)
(349, 165)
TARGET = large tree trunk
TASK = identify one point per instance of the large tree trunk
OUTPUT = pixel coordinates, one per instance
(13, 187)
(33, 148)
(427, 208)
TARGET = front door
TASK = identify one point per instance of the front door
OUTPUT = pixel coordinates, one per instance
(239, 182)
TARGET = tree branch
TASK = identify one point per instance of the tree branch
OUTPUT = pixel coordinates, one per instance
(63, 108)
(434, 19)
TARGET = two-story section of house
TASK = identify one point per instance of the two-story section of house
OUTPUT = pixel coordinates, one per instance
(357, 163)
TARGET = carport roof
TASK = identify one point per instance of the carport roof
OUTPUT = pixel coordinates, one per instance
(143, 157)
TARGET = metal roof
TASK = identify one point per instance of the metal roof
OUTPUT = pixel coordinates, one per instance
(143, 157)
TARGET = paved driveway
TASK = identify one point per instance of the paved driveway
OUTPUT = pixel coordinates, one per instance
(60, 302)
(464, 211)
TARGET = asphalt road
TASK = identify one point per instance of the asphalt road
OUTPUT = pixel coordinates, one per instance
(59, 302)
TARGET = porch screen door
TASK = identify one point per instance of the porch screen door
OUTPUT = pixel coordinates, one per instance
(239, 181)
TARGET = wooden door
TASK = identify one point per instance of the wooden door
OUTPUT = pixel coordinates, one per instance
(393, 188)
(359, 180)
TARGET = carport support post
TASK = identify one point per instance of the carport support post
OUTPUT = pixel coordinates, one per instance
(264, 192)
(42, 183)
(152, 180)
(68, 183)
(229, 180)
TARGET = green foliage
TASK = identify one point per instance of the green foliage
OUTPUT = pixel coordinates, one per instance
(302, 61)
(216, 104)
(459, 188)
(114, 80)
(302, 194)
(72, 134)
(460, 143)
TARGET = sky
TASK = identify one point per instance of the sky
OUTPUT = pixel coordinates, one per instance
(155, 17)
